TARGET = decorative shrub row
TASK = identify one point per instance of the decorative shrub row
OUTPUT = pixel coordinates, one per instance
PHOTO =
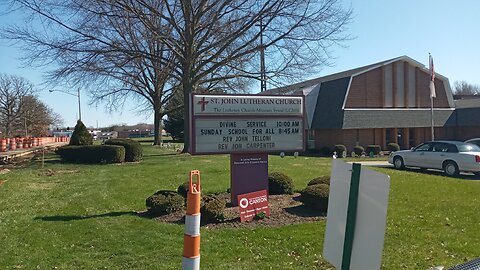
(392, 147)
(279, 183)
(168, 201)
(358, 150)
(340, 149)
(376, 149)
(92, 153)
(133, 149)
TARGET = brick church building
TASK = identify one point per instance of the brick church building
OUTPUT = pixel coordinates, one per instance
(381, 103)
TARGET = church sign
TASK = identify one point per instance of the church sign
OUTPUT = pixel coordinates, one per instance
(246, 124)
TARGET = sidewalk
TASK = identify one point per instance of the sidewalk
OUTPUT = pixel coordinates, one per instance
(6, 156)
(384, 164)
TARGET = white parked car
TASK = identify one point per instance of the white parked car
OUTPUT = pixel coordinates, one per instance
(450, 156)
(474, 141)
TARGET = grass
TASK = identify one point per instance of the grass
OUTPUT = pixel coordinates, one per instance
(82, 217)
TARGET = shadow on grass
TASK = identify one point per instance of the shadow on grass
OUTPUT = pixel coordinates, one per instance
(304, 211)
(71, 218)
(163, 155)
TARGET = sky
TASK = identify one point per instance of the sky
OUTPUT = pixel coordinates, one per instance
(381, 30)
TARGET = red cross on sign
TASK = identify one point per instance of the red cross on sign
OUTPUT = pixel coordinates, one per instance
(203, 102)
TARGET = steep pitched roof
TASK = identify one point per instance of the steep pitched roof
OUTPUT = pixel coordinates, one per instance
(294, 88)
(329, 94)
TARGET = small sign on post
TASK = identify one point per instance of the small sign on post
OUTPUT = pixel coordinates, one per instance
(357, 213)
(251, 204)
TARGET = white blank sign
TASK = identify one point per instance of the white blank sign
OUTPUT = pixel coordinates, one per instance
(370, 221)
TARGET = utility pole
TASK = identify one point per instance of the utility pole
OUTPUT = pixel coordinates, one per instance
(79, 109)
(263, 76)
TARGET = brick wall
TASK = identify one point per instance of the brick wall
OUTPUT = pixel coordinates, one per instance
(366, 90)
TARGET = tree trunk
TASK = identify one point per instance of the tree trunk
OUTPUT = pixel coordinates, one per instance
(157, 122)
(187, 89)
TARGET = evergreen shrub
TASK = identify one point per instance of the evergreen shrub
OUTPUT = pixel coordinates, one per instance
(376, 149)
(279, 183)
(133, 149)
(183, 189)
(92, 154)
(80, 135)
(324, 179)
(164, 202)
(326, 151)
(316, 197)
(340, 149)
(358, 150)
(212, 209)
(392, 147)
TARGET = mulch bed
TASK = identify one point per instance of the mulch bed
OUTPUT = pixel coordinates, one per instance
(284, 210)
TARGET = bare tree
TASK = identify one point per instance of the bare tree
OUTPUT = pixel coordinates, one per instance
(200, 43)
(36, 117)
(465, 88)
(215, 41)
(102, 46)
(13, 93)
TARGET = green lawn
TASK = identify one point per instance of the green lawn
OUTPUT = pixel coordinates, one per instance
(82, 217)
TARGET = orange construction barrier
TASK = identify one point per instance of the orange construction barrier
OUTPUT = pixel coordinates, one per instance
(26, 143)
(19, 143)
(3, 145)
(191, 238)
(13, 144)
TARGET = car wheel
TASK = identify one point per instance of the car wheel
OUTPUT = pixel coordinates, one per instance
(450, 168)
(398, 163)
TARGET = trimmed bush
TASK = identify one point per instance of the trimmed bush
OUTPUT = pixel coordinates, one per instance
(183, 189)
(92, 153)
(324, 179)
(376, 149)
(212, 209)
(164, 202)
(326, 151)
(358, 150)
(133, 149)
(316, 197)
(80, 135)
(340, 149)
(392, 147)
(279, 183)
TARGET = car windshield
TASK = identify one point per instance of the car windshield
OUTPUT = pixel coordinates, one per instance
(468, 147)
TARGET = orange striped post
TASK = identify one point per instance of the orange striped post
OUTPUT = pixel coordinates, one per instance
(3, 145)
(191, 238)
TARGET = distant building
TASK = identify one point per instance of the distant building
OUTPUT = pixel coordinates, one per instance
(67, 133)
(381, 103)
(107, 135)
